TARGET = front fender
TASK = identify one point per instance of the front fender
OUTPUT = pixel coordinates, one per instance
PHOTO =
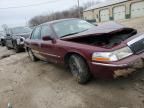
(76, 52)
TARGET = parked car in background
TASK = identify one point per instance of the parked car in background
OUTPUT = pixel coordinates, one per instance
(16, 36)
(109, 50)
(2, 38)
(92, 22)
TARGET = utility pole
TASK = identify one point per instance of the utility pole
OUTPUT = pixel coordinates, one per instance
(79, 13)
(26, 22)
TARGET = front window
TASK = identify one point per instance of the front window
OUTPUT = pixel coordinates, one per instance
(36, 33)
(20, 30)
(69, 27)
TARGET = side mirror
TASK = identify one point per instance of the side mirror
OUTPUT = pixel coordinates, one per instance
(46, 38)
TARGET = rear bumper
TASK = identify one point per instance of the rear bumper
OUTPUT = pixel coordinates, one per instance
(116, 69)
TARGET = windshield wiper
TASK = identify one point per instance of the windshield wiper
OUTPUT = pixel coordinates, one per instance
(73, 33)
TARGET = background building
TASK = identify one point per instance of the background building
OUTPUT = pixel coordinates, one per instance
(115, 10)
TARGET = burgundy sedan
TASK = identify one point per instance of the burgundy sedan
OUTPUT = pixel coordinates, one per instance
(109, 50)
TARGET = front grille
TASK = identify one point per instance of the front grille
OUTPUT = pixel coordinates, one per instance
(138, 45)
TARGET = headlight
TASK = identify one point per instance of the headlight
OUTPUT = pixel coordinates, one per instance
(21, 39)
(112, 56)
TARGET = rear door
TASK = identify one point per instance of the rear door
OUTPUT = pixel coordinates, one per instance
(9, 38)
(9, 41)
(35, 44)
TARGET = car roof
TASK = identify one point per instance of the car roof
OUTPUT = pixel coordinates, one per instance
(56, 21)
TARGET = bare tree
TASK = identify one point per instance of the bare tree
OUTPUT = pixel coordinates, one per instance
(89, 4)
(73, 12)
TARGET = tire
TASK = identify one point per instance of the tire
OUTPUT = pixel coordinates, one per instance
(79, 69)
(16, 48)
(31, 55)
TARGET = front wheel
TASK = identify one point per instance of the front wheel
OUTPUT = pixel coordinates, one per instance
(8, 47)
(16, 48)
(31, 55)
(79, 69)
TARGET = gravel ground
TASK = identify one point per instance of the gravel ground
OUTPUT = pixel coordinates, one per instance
(27, 84)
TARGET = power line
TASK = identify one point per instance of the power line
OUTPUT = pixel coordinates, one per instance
(32, 5)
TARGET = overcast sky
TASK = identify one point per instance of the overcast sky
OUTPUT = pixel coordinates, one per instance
(19, 16)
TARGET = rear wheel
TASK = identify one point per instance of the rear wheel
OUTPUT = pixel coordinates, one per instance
(31, 55)
(79, 69)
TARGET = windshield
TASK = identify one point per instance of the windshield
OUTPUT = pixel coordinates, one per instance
(19, 30)
(70, 27)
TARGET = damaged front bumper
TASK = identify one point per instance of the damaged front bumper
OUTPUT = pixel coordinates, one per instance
(120, 68)
(132, 67)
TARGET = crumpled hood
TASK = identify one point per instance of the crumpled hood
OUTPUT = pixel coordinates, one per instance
(100, 29)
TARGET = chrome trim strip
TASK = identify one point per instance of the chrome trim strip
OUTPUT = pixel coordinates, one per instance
(135, 40)
(110, 65)
(37, 52)
(50, 54)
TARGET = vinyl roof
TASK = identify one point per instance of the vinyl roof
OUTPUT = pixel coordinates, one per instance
(103, 4)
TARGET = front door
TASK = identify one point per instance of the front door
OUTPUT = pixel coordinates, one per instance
(48, 48)
(35, 44)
